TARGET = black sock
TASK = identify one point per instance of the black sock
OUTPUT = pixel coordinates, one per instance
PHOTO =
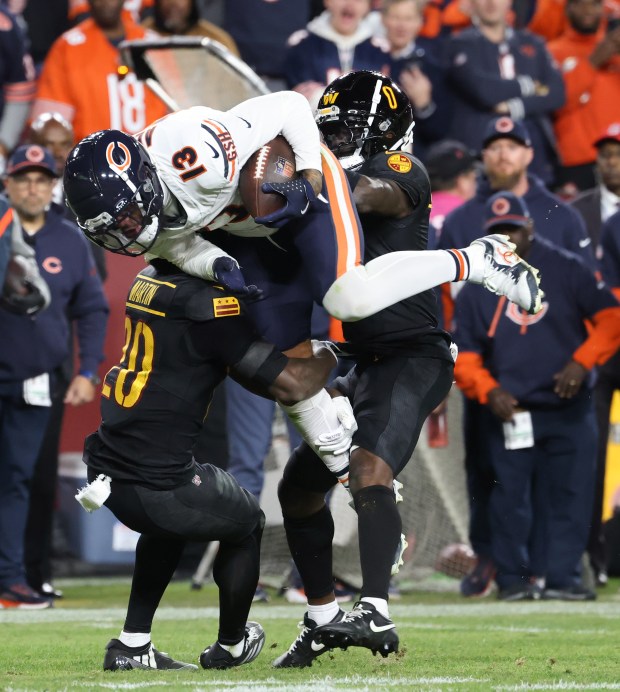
(156, 560)
(236, 570)
(310, 542)
(379, 526)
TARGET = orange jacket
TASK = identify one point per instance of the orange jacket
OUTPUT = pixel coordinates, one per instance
(592, 96)
(80, 81)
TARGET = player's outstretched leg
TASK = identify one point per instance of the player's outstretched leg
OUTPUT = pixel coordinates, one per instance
(118, 656)
(388, 279)
(362, 626)
(504, 273)
(215, 656)
(304, 650)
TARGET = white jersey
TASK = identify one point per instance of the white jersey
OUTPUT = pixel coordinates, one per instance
(199, 153)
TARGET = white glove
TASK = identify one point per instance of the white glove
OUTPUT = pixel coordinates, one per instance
(321, 412)
(333, 447)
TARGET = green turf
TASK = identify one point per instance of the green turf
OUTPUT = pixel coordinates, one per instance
(447, 643)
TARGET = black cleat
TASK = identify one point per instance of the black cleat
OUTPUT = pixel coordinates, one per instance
(118, 656)
(304, 650)
(569, 593)
(215, 656)
(362, 626)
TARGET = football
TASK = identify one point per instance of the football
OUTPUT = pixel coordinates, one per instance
(272, 163)
(456, 560)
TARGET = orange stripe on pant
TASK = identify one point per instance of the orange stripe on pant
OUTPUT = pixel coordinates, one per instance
(5, 221)
(346, 221)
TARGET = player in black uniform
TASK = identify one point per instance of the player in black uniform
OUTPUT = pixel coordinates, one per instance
(183, 336)
(403, 370)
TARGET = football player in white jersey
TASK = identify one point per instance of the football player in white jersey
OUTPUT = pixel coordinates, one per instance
(152, 195)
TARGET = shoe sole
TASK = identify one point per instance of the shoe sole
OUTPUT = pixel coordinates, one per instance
(132, 664)
(11, 605)
(342, 640)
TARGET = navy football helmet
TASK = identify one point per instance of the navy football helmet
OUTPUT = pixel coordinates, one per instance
(112, 187)
(363, 113)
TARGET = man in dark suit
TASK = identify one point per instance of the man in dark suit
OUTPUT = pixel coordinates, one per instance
(599, 203)
(596, 206)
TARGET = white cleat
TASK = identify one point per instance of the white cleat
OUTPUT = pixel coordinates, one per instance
(506, 274)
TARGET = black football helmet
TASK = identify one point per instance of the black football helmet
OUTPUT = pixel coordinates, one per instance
(363, 113)
(112, 187)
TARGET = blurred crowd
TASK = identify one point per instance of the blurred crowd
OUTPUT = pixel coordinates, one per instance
(519, 98)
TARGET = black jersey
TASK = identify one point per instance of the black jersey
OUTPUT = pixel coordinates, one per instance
(411, 325)
(181, 335)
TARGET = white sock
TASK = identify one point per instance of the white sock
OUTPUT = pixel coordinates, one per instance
(322, 614)
(235, 650)
(380, 604)
(135, 639)
(385, 280)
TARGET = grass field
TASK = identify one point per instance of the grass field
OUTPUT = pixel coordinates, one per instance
(447, 643)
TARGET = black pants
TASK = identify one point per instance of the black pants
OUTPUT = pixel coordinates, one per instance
(210, 507)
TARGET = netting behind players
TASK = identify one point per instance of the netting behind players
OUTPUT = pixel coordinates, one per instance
(434, 509)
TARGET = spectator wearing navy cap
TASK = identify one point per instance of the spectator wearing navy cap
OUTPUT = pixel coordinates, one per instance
(32, 349)
(506, 156)
(532, 379)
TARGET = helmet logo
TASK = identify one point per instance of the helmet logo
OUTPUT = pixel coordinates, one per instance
(500, 206)
(399, 163)
(330, 98)
(389, 94)
(118, 156)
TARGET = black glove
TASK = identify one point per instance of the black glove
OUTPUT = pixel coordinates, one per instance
(227, 273)
(299, 196)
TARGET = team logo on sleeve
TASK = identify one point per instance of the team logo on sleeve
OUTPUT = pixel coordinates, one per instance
(226, 307)
(399, 163)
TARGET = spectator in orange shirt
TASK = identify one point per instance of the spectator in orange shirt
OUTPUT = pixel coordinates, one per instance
(549, 18)
(589, 57)
(94, 97)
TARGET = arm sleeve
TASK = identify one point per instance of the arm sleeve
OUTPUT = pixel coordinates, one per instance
(603, 340)
(551, 77)
(190, 253)
(470, 373)
(472, 378)
(597, 304)
(578, 75)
